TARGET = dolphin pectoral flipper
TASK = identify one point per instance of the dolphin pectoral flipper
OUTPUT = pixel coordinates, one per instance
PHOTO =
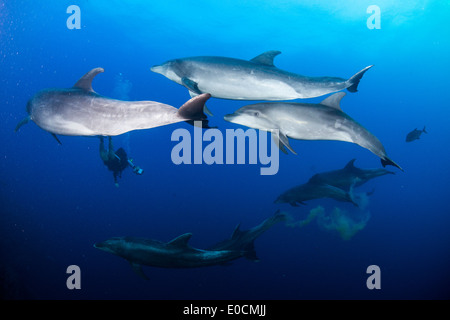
(191, 85)
(250, 253)
(282, 141)
(354, 81)
(22, 122)
(54, 136)
(137, 268)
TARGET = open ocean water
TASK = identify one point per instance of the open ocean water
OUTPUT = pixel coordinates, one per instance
(57, 201)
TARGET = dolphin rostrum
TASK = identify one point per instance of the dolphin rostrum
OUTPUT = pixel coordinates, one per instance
(305, 121)
(256, 79)
(79, 111)
(349, 176)
(179, 254)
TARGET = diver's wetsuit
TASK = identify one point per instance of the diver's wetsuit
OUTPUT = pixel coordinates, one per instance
(115, 161)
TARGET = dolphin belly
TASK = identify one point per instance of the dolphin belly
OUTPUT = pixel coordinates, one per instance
(249, 88)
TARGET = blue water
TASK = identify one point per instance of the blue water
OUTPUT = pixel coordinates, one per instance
(58, 200)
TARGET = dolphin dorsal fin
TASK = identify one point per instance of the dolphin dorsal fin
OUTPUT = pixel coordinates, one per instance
(85, 82)
(236, 232)
(266, 58)
(350, 165)
(181, 241)
(334, 100)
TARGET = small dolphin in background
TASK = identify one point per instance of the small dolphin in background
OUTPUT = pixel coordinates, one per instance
(79, 111)
(415, 134)
(179, 254)
(310, 191)
(306, 121)
(257, 79)
(348, 177)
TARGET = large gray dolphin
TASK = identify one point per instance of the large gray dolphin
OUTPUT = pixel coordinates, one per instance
(349, 176)
(305, 121)
(79, 111)
(256, 79)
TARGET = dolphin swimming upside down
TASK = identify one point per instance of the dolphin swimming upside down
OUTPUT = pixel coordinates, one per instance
(80, 111)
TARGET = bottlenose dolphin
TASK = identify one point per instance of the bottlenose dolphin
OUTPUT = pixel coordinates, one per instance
(173, 254)
(415, 134)
(257, 79)
(306, 121)
(310, 191)
(79, 111)
(244, 240)
(349, 176)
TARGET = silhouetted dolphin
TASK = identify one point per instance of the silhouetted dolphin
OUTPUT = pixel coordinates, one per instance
(79, 111)
(305, 121)
(173, 254)
(415, 134)
(349, 176)
(310, 191)
(257, 79)
(244, 240)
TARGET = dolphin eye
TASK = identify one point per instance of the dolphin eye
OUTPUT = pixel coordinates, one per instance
(256, 113)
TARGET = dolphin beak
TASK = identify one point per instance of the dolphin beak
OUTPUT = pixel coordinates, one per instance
(229, 117)
(157, 68)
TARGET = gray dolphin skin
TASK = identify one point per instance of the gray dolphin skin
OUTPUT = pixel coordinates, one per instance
(415, 134)
(310, 191)
(79, 111)
(256, 79)
(305, 121)
(349, 176)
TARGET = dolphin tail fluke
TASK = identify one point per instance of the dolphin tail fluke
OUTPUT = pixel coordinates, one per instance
(22, 122)
(386, 161)
(277, 217)
(354, 81)
(282, 141)
(193, 109)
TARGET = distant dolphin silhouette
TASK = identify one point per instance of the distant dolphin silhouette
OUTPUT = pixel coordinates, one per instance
(415, 134)
(349, 176)
(79, 111)
(310, 191)
(257, 79)
(306, 121)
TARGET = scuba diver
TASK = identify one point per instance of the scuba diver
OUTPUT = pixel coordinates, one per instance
(116, 161)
